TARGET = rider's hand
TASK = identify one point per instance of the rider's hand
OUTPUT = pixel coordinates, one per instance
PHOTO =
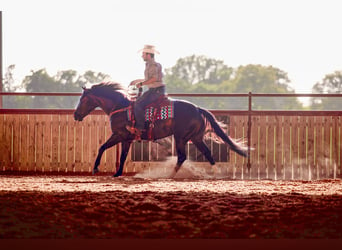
(138, 85)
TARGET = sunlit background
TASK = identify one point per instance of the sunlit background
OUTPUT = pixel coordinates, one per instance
(302, 38)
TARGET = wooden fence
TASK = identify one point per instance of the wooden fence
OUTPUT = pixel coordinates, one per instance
(285, 146)
(296, 147)
(54, 142)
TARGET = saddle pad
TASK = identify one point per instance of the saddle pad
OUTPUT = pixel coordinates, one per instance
(161, 113)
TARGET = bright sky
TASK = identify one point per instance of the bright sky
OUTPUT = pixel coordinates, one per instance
(300, 37)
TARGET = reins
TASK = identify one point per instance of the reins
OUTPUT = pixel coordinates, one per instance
(120, 110)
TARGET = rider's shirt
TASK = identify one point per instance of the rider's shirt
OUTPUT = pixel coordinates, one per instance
(154, 69)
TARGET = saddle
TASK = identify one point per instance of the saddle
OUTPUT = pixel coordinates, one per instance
(159, 110)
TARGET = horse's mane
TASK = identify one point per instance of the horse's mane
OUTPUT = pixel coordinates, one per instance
(108, 89)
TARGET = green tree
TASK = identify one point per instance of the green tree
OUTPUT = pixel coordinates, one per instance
(40, 81)
(331, 84)
(257, 78)
(261, 79)
(192, 70)
(8, 81)
(8, 86)
(91, 77)
(63, 81)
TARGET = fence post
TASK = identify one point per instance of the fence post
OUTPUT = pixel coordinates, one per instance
(249, 128)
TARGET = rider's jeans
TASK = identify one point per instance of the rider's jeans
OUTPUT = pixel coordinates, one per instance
(148, 97)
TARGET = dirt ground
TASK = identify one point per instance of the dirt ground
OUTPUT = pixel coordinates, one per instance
(84, 206)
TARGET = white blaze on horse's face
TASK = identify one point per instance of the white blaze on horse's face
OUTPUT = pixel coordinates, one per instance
(85, 105)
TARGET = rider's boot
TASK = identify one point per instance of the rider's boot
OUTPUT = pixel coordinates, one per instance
(135, 130)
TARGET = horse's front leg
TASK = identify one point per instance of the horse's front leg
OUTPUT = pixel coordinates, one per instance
(113, 140)
(124, 152)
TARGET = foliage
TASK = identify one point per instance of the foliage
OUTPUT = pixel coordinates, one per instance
(8, 86)
(263, 79)
(204, 75)
(63, 81)
(193, 70)
(192, 74)
(331, 84)
(8, 81)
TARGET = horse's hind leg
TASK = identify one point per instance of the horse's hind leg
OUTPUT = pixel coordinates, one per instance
(204, 150)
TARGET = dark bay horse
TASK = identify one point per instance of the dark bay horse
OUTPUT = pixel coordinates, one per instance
(190, 122)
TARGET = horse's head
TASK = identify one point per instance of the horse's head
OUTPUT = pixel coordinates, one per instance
(86, 104)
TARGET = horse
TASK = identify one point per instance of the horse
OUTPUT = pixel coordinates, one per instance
(190, 122)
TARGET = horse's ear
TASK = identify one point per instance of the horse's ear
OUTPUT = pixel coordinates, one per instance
(83, 87)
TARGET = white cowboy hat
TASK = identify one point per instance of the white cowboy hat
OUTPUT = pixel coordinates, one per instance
(149, 49)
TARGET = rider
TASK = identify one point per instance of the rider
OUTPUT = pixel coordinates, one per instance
(156, 88)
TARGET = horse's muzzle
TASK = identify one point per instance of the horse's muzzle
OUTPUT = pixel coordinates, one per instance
(78, 117)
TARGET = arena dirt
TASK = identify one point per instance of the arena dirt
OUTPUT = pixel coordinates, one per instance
(85, 206)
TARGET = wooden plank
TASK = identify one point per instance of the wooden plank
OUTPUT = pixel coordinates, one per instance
(295, 147)
(279, 147)
(47, 157)
(93, 139)
(239, 133)
(55, 141)
(192, 154)
(320, 146)
(271, 147)
(24, 143)
(78, 146)
(254, 152)
(335, 145)
(327, 148)
(262, 157)
(16, 142)
(138, 151)
(223, 155)
(303, 149)
(10, 131)
(3, 143)
(32, 143)
(20, 119)
(63, 143)
(286, 148)
(311, 148)
(7, 137)
(231, 166)
(215, 149)
(70, 153)
(40, 128)
(93, 134)
(246, 173)
(86, 144)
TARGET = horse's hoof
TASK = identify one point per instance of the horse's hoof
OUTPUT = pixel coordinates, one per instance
(173, 174)
(175, 170)
(117, 175)
(95, 171)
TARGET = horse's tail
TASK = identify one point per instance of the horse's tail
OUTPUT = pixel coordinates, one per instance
(215, 125)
